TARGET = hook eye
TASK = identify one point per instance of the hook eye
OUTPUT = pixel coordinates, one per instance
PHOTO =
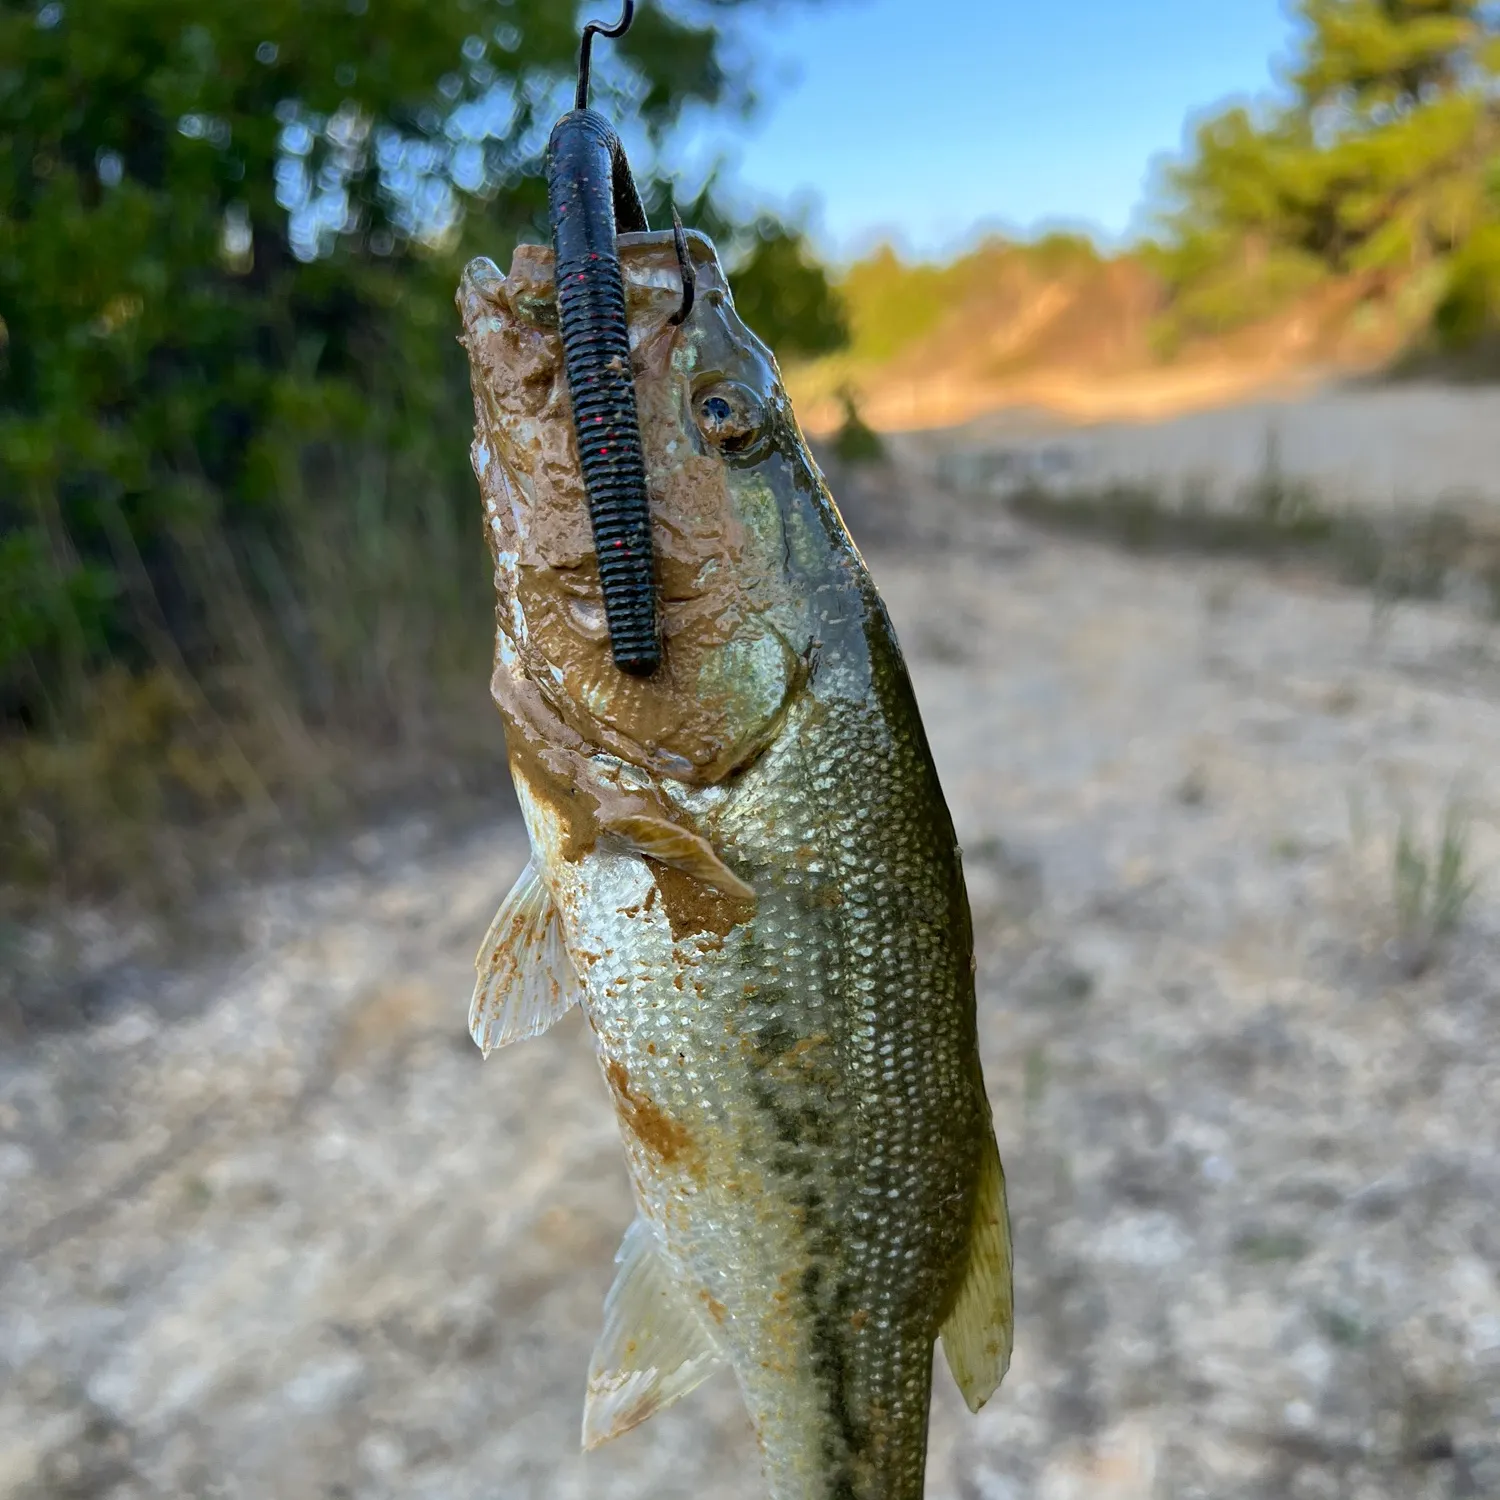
(586, 47)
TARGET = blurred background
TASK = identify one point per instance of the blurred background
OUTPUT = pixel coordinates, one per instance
(1153, 355)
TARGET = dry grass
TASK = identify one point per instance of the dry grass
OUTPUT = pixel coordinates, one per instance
(342, 665)
(1412, 554)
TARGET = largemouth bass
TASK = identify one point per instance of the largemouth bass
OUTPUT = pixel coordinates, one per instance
(744, 870)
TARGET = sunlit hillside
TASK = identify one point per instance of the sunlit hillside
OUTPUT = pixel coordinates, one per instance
(1054, 323)
(1352, 223)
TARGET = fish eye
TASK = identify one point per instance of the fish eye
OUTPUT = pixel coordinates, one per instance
(730, 415)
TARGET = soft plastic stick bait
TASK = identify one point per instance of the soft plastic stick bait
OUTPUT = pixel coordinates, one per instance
(592, 198)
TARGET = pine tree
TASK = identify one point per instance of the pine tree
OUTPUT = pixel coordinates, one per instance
(1382, 163)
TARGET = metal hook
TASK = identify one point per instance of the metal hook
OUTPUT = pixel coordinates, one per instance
(689, 279)
(586, 47)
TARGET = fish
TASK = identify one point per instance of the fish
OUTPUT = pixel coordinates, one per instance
(743, 870)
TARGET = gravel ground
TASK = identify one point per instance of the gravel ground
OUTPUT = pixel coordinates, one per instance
(271, 1229)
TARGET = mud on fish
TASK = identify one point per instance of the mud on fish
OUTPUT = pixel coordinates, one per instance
(744, 871)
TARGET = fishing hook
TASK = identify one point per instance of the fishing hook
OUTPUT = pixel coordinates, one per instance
(586, 47)
(689, 280)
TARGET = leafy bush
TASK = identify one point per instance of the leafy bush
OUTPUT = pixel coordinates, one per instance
(1468, 315)
(239, 553)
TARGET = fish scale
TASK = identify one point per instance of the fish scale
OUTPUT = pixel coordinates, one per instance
(891, 1000)
(774, 953)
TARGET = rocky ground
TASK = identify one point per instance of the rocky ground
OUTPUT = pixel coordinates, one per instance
(271, 1229)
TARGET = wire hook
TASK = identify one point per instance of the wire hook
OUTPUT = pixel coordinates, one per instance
(689, 279)
(586, 47)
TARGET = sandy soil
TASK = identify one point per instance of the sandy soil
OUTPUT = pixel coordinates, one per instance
(1355, 446)
(271, 1229)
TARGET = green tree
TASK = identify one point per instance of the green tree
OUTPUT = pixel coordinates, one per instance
(230, 233)
(783, 293)
(233, 414)
(1381, 164)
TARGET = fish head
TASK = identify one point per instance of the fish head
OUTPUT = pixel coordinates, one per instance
(731, 487)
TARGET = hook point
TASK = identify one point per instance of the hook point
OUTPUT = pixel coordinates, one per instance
(689, 278)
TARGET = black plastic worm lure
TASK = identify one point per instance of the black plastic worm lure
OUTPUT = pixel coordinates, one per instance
(592, 198)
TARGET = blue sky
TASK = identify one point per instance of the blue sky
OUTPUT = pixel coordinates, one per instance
(927, 120)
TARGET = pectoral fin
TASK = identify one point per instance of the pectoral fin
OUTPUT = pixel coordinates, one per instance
(978, 1330)
(526, 980)
(684, 850)
(654, 1347)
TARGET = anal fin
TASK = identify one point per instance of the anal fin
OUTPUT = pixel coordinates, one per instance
(979, 1328)
(654, 1347)
(526, 980)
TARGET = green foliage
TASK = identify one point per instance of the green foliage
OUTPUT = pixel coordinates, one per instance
(892, 304)
(1383, 162)
(1468, 316)
(783, 294)
(234, 418)
(923, 316)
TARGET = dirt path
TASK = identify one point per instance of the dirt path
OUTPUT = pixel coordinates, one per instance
(1354, 446)
(277, 1232)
